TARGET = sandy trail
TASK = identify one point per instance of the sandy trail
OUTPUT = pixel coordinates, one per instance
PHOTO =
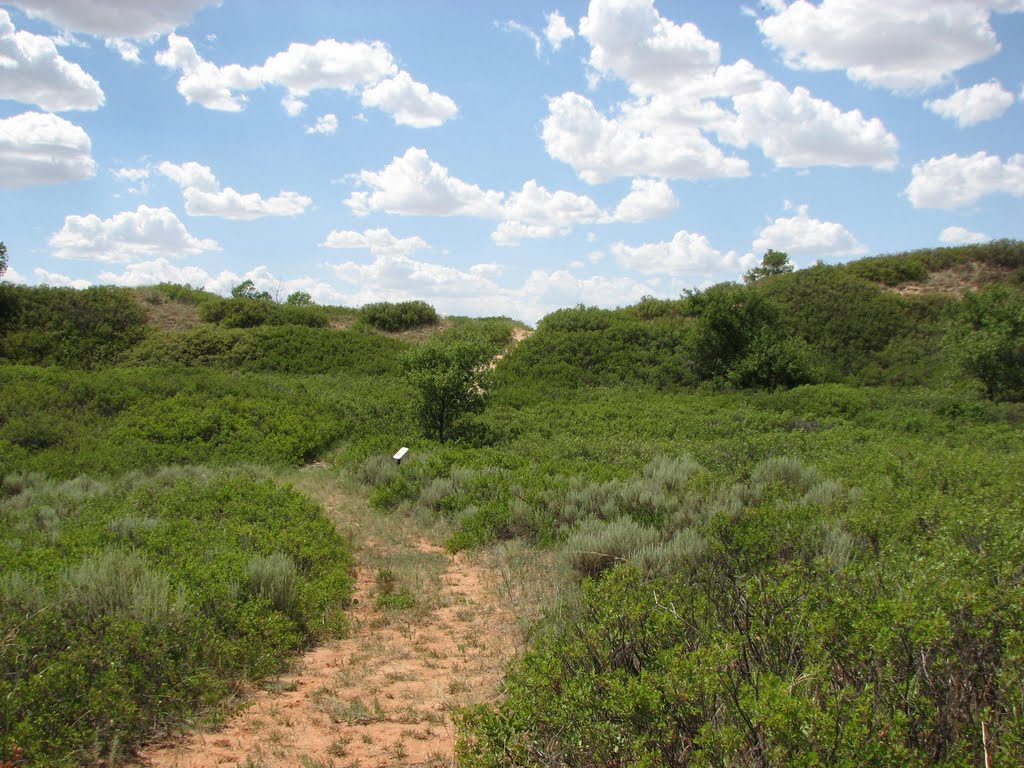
(385, 695)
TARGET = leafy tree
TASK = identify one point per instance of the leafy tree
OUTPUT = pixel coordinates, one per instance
(3, 259)
(247, 290)
(772, 263)
(738, 336)
(299, 299)
(448, 379)
(987, 341)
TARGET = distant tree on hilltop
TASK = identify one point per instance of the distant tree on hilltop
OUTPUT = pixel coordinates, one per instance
(772, 263)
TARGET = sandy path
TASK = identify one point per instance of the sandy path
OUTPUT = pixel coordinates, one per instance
(383, 696)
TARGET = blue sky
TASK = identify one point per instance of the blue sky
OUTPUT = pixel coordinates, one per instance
(499, 158)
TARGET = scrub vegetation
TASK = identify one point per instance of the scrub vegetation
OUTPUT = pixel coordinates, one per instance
(791, 509)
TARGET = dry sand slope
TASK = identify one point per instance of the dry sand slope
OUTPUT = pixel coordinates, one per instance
(385, 695)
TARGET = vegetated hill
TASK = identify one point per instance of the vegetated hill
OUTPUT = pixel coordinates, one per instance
(872, 321)
(770, 570)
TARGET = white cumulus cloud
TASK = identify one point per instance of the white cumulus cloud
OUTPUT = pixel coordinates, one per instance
(115, 18)
(57, 280)
(415, 185)
(366, 68)
(534, 212)
(802, 235)
(632, 41)
(40, 148)
(204, 83)
(204, 196)
(954, 181)
(896, 44)
(556, 32)
(686, 253)
(682, 95)
(962, 236)
(326, 125)
(32, 71)
(970, 106)
(163, 271)
(797, 130)
(124, 237)
(647, 199)
(409, 102)
(635, 143)
(376, 241)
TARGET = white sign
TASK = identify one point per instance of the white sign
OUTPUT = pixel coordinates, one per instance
(400, 455)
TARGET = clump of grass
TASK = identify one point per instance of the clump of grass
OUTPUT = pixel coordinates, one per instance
(785, 470)
(672, 473)
(118, 583)
(596, 545)
(672, 556)
(273, 577)
(377, 470)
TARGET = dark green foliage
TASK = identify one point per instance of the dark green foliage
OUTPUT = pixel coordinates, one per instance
(987, 341)
(283, 349)
(67, 423)
(251, 313)
(400, 316)
(587, 346)
(299, 299)
(496, 332)
(447, 378)
(133, 606)
(63, 326)
(847, 320)
(738, 336)
(802, 624)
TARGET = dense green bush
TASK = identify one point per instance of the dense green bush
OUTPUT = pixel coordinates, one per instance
(790, 621)
(399, 316)
(846, 320)
(73, 422)
(987, 341)
(251, 313)
(738, 336)
(282, 349)
(587, 346)
(126, 610)
(63, 326)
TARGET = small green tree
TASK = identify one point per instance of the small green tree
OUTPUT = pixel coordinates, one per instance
(772, 263)
(247, 290)
(987, 341)
(448, 379)
(299, 299)
(3, 259)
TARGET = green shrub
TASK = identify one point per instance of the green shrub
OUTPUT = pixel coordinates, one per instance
(63, 326)
(103, 642)
(400, 316)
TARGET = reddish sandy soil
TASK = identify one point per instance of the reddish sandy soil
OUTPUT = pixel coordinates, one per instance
(382, 697)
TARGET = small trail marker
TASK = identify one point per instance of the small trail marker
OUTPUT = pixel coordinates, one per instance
(400, 455)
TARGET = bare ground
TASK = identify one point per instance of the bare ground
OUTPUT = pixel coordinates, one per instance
(956, 281)
(385, 695)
